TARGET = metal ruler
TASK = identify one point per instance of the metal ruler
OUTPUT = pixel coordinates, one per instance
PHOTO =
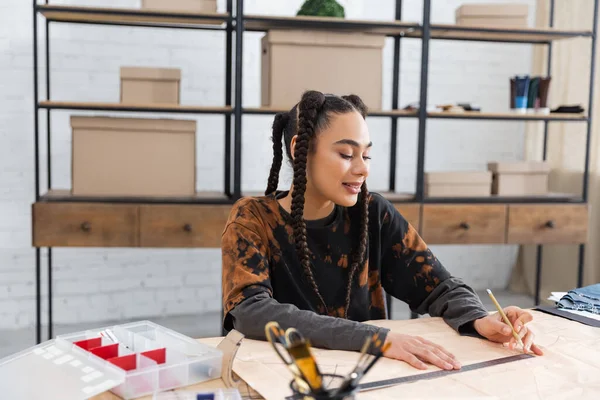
(439, 374)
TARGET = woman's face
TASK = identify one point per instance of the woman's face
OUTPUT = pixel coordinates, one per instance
(339, 164)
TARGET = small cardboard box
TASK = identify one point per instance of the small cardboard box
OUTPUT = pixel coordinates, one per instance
(458, 184)
(340, 63)
(145, 85)
(133, 157)
(509, 15)
(198, 6)
(526, 178)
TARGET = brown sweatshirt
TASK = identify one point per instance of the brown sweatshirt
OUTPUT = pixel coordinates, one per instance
(263, 280)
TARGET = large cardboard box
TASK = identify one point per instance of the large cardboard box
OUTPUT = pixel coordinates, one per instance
(508, 15)
(294, 61)
(133, 157)
(524, 178)
(145, 85)
(458, 184)
(198, 6)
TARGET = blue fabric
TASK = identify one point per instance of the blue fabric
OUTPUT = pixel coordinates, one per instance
(583, 299)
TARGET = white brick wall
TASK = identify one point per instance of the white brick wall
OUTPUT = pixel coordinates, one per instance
(92, 285)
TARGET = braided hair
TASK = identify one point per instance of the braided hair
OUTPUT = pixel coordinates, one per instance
(307, 118)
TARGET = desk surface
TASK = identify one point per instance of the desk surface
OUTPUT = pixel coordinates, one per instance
(570, 367)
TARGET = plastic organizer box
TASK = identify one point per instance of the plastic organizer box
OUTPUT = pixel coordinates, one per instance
(217, 394)
(134, 360)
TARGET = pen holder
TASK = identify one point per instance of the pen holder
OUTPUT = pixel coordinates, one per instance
(331, 384)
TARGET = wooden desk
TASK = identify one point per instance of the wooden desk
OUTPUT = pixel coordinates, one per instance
(570, 367)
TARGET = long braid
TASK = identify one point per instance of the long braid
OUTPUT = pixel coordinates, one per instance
(360, 253)
(281, 120)
(303, 122)
(308, 111)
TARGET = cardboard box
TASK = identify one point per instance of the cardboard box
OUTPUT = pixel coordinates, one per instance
(458, 184)
(341, 63)
(509, 15)
(526, 178)
(197, 6)
(133, 157)
(144, 85)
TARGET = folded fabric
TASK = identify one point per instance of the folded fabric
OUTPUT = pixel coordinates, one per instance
(586, 298)
(571, 109)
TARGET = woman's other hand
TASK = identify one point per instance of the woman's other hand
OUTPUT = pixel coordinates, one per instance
(417, 351)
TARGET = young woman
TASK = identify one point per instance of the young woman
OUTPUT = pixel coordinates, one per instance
(319, 256)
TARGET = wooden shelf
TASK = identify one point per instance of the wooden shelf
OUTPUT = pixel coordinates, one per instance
(391, 196)
(394, 113)
(372, 113)
(412, 29)
(563, 198)
(131, 16)
(264, 110)
(448, 114)
(507, 116)
(106, 224)
(263, 23)
(97, 106)
(65, 195)
(491, 34)
(211, 197)
(187, 109)
(142, 17)
(395, 197)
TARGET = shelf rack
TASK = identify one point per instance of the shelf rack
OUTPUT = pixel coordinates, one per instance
(234, 23)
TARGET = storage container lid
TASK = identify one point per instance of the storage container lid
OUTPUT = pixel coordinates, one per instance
(459, 177)
(493, 10)
(133, 124)
(56, 369)
(325, 38)
(520, 167)
(151, 73)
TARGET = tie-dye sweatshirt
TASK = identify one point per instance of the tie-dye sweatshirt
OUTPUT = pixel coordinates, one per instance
(264, 281)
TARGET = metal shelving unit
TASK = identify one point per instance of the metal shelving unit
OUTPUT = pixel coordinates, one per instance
(234, 23)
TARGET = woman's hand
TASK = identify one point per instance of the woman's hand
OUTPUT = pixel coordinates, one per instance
(494, 329)
(416, 351)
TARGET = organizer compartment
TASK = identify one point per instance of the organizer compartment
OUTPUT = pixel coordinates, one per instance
(89, 344)
(179, 347)
(176, 372)
(142, 378)
(154, 358)
(168, 338)
(57, 364)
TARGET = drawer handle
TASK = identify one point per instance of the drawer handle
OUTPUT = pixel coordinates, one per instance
(550, 224)
(86, 227)
(465, 226)
(187, 227)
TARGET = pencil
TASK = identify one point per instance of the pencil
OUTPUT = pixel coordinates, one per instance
(505, 318)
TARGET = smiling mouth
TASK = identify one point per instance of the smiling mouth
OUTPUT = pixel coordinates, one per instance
(353, 188)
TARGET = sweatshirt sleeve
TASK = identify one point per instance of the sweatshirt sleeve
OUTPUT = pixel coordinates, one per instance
(248, 302)
(323, 331)
(413, 274)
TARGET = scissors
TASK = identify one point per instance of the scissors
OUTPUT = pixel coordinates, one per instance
(278, 339)
(293, 337)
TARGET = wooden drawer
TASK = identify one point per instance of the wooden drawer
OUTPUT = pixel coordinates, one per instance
(459, 224)
(411, 212)
(57, 224)
(547, 223)
(182, 225)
